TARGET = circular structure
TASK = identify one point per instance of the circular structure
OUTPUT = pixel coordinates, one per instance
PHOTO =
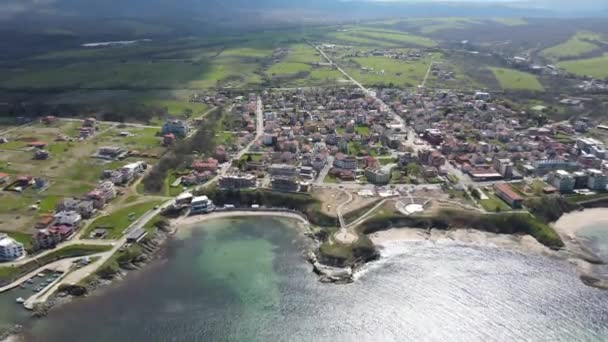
(413, 208)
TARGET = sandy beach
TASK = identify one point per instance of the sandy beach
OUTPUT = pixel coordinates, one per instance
(190, 220)
(569, 224)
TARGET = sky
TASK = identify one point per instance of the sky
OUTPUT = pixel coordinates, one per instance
(11, 8)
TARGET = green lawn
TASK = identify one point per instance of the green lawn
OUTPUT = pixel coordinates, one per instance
(514, 79)
(331, 179)
(579, 44)
(362, 130)
(121, 219)
(595, 67)
(494, 202)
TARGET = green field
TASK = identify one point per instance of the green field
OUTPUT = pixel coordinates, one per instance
(299, 67)
(579, 44)
(595, 67)
(380, 37)
(516, 80)
(493, 204)
(397, 72)
(511, 21)
(121, 219)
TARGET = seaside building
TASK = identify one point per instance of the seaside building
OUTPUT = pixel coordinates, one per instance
(237, 181)
(597, 180)
(9, 248)
(201, 205)
(562, 181)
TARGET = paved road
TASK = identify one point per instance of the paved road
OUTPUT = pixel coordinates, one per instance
(59, 246)
(323, 173)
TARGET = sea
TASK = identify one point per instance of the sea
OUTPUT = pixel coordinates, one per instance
(247, 280)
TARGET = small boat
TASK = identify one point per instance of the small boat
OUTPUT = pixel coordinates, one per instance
(30, 281)
(20, 300)
(22, 286)
(41, 275)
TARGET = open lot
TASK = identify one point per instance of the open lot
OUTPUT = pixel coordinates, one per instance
(70, 171)
(121, 219)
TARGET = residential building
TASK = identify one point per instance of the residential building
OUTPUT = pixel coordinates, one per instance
(342, 161)
(9, 248)
(505, 192)
(178, 128)
(562, 181)
(504, 167)
(319, 161)
(71, 218)
(282, 170)
(209, 164)
(237, 181)
(597, 180)
(379, 175)
(201, 205)
(580, 179)
(284, 183)
(307, 173)
(46, 238)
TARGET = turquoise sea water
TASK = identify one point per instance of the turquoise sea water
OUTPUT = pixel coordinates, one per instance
(246, 280)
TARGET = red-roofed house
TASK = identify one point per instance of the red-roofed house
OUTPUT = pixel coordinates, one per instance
(208, 164)
(505, 192)
(37, 144)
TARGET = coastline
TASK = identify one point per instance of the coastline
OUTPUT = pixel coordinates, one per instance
(571, 223)
(587, 263)
(185, 221)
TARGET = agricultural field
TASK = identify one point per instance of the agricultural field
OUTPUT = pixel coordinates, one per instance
(595, 67)
(580, 44)
(367, 36)
(300, 67)
(516, 80)
(433, 25)
(382, 70)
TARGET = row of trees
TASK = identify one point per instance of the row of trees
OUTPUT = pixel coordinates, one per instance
(181, 154)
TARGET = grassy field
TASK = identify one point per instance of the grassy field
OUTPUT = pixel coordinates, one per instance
(595, 67)
(70, 171)
(514, 79)
(494, 204)
(511, 21)
(397, 72)
(121, 219)
(579, 44)
(299, 68)
(367, 36)
(433, 25)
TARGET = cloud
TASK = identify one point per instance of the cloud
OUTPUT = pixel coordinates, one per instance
(11, 8)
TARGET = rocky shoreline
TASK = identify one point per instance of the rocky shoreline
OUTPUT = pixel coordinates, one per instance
(66, 294)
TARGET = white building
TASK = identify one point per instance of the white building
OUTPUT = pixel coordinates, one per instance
(9, 248)
(70, 218)
(201, 205)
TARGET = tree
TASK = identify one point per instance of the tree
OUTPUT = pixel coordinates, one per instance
(188, 113)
